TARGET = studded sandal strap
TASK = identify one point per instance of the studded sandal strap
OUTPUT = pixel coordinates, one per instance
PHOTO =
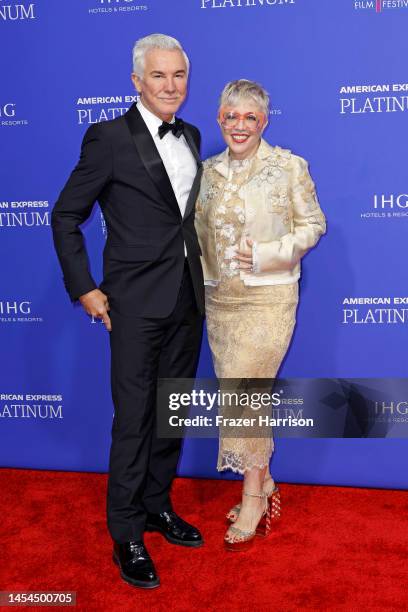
(261, 496)
(240, 532)
(255, 494)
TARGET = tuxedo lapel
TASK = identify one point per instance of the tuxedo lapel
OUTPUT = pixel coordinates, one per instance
(193, 195)
(196, 183)
(150, 157)
(193, 148)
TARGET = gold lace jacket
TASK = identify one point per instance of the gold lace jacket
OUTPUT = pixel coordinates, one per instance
(282, 214)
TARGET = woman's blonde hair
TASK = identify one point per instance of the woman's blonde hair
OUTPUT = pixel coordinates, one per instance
(243, 89)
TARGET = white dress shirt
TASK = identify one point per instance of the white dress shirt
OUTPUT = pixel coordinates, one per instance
(176, 155)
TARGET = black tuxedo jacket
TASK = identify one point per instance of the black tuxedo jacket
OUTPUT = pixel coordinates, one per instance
(144, 254)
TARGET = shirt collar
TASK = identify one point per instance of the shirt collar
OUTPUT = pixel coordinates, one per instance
(152, 121)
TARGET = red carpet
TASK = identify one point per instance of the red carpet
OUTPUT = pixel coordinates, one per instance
(334, 549)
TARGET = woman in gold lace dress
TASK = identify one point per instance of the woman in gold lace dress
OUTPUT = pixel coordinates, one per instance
(256, 216)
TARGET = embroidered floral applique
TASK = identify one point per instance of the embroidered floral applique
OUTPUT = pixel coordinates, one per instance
(277, 201)
(240, 165)
(209, 193)
(307, 190)
(273, 170)
(230, 218)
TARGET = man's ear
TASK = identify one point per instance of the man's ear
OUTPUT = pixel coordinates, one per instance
(137, 81)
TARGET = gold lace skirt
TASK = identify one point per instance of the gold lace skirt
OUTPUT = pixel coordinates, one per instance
(249, 331)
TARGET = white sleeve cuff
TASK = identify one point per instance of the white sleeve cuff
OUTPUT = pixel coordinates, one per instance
(255, 258)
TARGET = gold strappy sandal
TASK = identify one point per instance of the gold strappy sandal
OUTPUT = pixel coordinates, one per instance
(274, 495)
(243, 540)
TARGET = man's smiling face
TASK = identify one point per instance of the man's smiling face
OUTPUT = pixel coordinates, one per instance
(163, 87)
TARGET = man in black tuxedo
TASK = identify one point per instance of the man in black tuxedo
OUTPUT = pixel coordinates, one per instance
(144, 169)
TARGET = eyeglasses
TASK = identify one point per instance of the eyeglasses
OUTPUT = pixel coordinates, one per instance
(252, 121)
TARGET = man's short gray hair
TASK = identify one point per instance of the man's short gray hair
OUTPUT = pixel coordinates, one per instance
(242, 89)
(154, 41)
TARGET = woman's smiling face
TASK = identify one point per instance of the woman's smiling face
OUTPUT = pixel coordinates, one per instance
(242, 126)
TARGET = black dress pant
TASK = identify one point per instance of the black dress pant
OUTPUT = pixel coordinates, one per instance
(142, 466)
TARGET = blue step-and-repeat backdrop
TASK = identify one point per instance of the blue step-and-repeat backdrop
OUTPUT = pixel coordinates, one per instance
(337, 74)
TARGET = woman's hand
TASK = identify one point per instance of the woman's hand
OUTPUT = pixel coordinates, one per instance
(245, 257)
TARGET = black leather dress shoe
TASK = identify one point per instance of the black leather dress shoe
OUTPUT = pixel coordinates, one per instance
(174, 529)
(136, 566)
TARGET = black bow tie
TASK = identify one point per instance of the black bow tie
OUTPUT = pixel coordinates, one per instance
(177, 128)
